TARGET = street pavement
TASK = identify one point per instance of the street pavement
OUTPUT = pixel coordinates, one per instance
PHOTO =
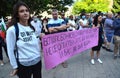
(79, 66)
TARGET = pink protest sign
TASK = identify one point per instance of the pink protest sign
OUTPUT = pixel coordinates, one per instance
(61, 46)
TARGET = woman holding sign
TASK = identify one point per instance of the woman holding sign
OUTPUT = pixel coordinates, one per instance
(97, 23)
(26, 60)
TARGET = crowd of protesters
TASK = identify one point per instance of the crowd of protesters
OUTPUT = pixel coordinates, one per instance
(28, 57)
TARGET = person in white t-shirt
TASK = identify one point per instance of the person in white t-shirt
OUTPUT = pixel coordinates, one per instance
(83, 22)
(36, 23)
(72, 24)
(26, 60)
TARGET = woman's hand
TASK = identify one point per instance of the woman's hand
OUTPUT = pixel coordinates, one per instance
(94, 26)
(41, 35)
(98, 25)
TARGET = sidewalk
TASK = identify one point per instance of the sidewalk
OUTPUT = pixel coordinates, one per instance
(79, 66)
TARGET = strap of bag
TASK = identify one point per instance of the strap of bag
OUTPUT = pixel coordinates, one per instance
(17, 35)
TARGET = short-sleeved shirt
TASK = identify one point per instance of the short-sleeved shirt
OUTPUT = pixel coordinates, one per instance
(38, 27)
(108, 27)
(85, 21)
(56, 23)
(73, 23)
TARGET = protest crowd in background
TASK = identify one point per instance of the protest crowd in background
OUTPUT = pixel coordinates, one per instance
(107, 23)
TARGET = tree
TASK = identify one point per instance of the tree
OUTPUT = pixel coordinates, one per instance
(116, 6)
(36, 6)
(90, 6)
(59, 4)
(79, 7)
(4, 9)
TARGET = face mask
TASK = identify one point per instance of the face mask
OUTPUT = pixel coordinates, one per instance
(83, 17)
(35, 20)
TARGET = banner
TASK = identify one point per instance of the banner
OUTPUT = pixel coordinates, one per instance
(61, 46)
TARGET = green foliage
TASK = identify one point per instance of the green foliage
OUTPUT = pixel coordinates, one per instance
(90, 6)
(116, 6)
(36, 6)
(59, 5)
(79, 7)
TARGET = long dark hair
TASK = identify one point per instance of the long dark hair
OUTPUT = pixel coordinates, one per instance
(15, 18)
(95, 22)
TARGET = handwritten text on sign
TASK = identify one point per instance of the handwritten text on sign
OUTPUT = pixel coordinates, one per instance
(61, 46)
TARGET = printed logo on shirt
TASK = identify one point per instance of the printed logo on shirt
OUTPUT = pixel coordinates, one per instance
(27, 36)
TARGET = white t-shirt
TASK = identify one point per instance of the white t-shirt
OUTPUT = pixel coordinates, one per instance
(73, 23)
(38, 27)
(85, 21)
(27, 43)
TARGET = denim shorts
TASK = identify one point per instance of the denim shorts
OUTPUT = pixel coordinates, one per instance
(109, 38)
